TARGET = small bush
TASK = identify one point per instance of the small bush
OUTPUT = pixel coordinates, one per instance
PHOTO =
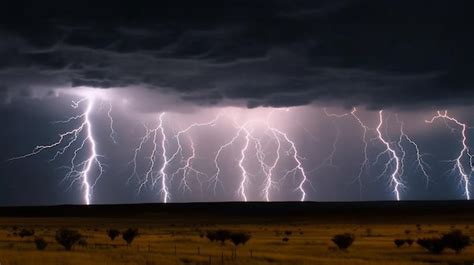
(239, 238)
(211, 235)
(399, 242)
(26, 232)
(129, 235)
(222, 235)
(409, 241)
(288, 232)
(40, 243)
(456, 240)
(113, 233)
(285, 239)
(343, 241)
(67, 237)
(433, 245)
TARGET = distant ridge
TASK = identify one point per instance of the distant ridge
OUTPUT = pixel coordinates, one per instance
(385, 211)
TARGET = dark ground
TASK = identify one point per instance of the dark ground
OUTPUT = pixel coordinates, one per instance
(339, 212)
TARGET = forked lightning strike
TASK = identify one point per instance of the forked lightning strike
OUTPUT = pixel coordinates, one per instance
(463, 154)
(393, 161)
(78, 170)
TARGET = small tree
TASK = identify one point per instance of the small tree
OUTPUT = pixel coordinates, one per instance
(409, 241)
(67, 238)
(40, 243)
(434, 245)
(399, 242)
(222, 235)
(26, 232)
(211, 235)
(343, 241)
(456, 240)
(288, 232)
(285, 239)
(113, 233)
(239, 238)
(129, 235)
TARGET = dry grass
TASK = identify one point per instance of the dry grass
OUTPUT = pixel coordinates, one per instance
(308, 244)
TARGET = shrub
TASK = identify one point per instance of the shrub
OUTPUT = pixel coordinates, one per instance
(456, 240)
(409, 241)
(129, 235)
(288, 232)
(67, 237)
(40, 243)
(222, 235)
(399, 242)
(239, 238)
(433, 245)
(26, 232)
(285, 239)
(113, 233)
(343, 241)
(211, 235)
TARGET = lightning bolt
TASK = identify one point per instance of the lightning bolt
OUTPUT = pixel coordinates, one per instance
(188, 168)
(365, 129)
(152, 175)
(112, 134)
(78, 170)
(244, 180)
(269, 182)
(465, 152)
(394, 160)
(162, 173)
(420, 163)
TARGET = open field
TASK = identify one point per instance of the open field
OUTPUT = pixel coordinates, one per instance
(175, 233)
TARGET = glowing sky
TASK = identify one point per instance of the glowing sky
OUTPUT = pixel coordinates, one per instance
(290, 100)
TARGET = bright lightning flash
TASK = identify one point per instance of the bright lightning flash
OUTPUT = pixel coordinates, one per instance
(80, 170)
(464, 153)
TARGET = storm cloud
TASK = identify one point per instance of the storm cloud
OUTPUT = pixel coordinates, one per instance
(379, 54)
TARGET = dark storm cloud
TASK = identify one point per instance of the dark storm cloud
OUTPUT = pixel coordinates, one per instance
(278, 53)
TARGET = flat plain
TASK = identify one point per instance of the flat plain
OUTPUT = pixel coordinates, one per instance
(176, 233)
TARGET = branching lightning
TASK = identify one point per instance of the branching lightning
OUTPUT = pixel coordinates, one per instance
(394, 160)
(464, 153)
(80, 170)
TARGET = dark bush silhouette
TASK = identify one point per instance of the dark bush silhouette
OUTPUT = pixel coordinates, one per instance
(26, 232)
(343, 241)
(399, 242)
(222, 235)
(433, 245)
(211, 235)
(456, 240)
(285, 239)
(239, 238)
(67, 237)
(40, 243)
(129, 235)
(288, 232)
(113, 233)
(409, 241)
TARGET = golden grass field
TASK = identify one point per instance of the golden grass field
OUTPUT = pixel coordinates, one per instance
(164, 241)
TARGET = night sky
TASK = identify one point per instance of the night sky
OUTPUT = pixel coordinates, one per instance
(284, 96)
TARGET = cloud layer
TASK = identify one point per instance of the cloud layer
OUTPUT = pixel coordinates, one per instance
(259, 53)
